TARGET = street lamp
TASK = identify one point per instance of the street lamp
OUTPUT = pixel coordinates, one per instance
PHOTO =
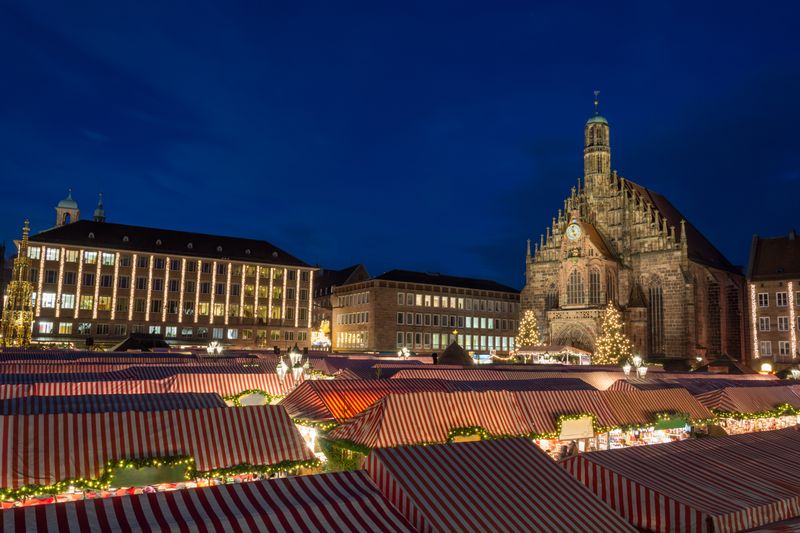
(626, 369)
(282, 369)
(795, 372)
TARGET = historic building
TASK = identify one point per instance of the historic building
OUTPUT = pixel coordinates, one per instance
(614, 240)
(98, 281)
(325, 281)
(773, 276)
(424, 312)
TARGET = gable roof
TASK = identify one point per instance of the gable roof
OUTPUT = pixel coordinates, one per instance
(327, 278)
(142, 239)
(435, 278)
(774, 257)
(700, 248)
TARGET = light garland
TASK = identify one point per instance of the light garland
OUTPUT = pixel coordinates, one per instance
(182, 294)
(754, 319)
(165, 298)
(241, 294)
(310, 295)
(149, 289)
(319, 426)
(271, 296)
(114, 289)
(97, 284)
(228, 292)
(133, 287)
(197, 292)
(78, 283)
(60, 282)
(792, 320)
(255, 296)
(784, 409)
(283, 295)
(235, 399)
(42, 255)
(297, 299)
(213, 292)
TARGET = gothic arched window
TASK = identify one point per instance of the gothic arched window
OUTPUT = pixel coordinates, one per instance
(655, 320)
(594, 287)
(574, 288)
(552, 297)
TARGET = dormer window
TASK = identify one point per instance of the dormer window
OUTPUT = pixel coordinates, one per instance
(158, 242)
(189, 246)
(219, 248)
(126, 239)
(91, 235)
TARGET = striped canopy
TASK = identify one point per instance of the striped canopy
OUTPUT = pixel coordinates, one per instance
(505, 485)
(750, 399)
(463, 374)
(345, 501)
(713, 484)
(544, 408)
(46, 449)
(44, 405)
(640, 407)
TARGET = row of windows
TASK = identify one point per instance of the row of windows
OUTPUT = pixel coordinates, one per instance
(469, 322)
(452, 302)
(764, 323)
(353, 318)
(781, 299)
(352, 339)
(765, 348)
(436, 341)
(359, 298)
(170, 332)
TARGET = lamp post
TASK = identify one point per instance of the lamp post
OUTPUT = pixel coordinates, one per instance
(638, 367)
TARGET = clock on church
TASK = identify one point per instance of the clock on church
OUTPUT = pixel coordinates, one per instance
(574, 231)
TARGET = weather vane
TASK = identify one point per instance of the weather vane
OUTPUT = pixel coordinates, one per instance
(596, 102)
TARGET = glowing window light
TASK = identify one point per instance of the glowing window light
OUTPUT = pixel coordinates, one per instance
(78, 284)
(310, 295)
(197, 292)
(255, 301)
(792, 319)
(41, 282)
(149, 289)
(283, 296)
(166, 288)
(754, 318)
(60, 282)
(297, 299)
(269, 300)
(213, 291)
(766, 368)
(241, 294)
(133, 287)
(228, 293)
(114, 289)
(96, 286)
(183, 278)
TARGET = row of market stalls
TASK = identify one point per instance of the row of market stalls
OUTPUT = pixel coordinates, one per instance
(725, 484)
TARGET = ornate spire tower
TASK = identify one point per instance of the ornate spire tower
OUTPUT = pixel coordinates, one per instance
(596, 151)
(67, 210)
(18, 312)
(99, 212)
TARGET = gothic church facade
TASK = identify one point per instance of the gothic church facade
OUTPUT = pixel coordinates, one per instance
(617, 241)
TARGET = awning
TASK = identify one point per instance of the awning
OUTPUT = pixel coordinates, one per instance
(40, 405)
(643, 407)
(750, 400)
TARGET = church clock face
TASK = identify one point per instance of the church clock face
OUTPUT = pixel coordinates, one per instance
(574, 231)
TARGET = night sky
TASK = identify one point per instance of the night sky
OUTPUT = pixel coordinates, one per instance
(432, 136)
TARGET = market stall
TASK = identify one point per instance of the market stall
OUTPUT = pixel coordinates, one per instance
(504, 485)
(95, 403)
(748, 409)
(713, 484)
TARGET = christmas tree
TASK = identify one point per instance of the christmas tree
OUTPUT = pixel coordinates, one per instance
(528, 334)
(613, 346)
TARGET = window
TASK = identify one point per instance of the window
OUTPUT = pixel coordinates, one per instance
(172, 307)
(191, 266)
(206, 268)
(220, 289)
(70, 277)
(154, 330)
(781, 299)
(765, 347)
(189, 286)
(139, 305)
(186, 332)
(174, 285)
(289, 313)
(171, 331)
(158, 263)
(141, 262)
(124, 282)
(87, 302)
(108, 259)
(302, 314)
(188, 308)
(102, 329)
(155, 306)
(104, 303)
(594, 287)
(304, 275)
(290, 293)
(304, 294)
(763, 299)
(763, 323)
(219, 309)
(105, 280)
(202, 333)
(45, 327)
(203, 309)
(34, 275)
(65, 328)
(124, 261)
(141, 283)
(233, 334)
(34, 252)
(67, 301)
(217, 333)
(71, 256)
(88, 279)
(783, 348)
(418, 319)
(174, 264)
(84, 328)
(158, 284)
(90, 258)
(51, 254)
(220, 272)
(205, 287)
(48, 300)
(122, 304)
(120, 330)
(783, 323)
(574, 288)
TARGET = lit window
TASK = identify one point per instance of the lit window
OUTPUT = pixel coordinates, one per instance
(108, 259)
(233, 334)
(171, 331)
(155, 330)
(90, 258)
(48, 300)
(68, 301)
(104, 303)
(34, 252)
(65, 328)
(87, 302)
(51, 254)
(71, 256)
(45, 327)
(217, 333)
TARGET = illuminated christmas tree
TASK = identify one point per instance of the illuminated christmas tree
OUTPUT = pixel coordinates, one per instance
(528, 334)
(613, 346)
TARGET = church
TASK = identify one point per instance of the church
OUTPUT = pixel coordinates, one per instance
(616, 241)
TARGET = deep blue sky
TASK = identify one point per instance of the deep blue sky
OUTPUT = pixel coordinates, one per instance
(431, 136)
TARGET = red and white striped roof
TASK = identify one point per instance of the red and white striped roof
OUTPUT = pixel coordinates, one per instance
(504, 485)
(95, 403)
(340, 502)
(45, 449)
(543, 408)
(463, 374)
(750, 399)
(640, 407)
(713, 484)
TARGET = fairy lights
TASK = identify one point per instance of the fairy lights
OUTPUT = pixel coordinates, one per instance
(96, 285)
(183, 279)
(241, 294)
(78, 284)
(149, 289)
(41, 281)
(133, 287)
(310, 294)
(228, 293)
(197, 292)
(283, 296)
(255, 304)
(114, 288)
(754, 319)
(213, 291)
(60, 282)
(271, 296)
(793, 323)
(297, 299)
(166, 288)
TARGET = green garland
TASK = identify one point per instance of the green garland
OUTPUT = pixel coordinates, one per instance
(107, 474)
(323, 426)
(236, 398)
(784, 409)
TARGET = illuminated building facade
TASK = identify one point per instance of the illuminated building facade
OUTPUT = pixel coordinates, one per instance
(424, 312)
(614, 240)
(104, 281)
(773, 283)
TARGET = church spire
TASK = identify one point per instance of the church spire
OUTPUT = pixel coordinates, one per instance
(99, 212)
(596, 150)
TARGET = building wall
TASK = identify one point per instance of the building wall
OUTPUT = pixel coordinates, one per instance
(378, 317)
(774, 324)
(189, 300)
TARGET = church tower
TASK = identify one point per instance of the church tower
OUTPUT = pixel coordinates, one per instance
(596, 151)
(67, 210)
(17, 318)
(99, 212)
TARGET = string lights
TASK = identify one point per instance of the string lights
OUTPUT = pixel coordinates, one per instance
(97, 284)
(213, 291)
(197, 293)
(228, 292)
(114, 289)
(133, 287)
(60, 282)
(149, 289)
(78, 284)
(167, 265)
(754, 319)
(792, 320)
(182, 290)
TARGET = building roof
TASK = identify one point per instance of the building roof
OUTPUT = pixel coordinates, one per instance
(455, 355)
(774, 257)
(435, 278)
(700, 248)
(327, 278)
(164, 241)
(68, 202)
(597, 119)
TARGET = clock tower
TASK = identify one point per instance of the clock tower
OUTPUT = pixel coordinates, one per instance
(596, 151)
